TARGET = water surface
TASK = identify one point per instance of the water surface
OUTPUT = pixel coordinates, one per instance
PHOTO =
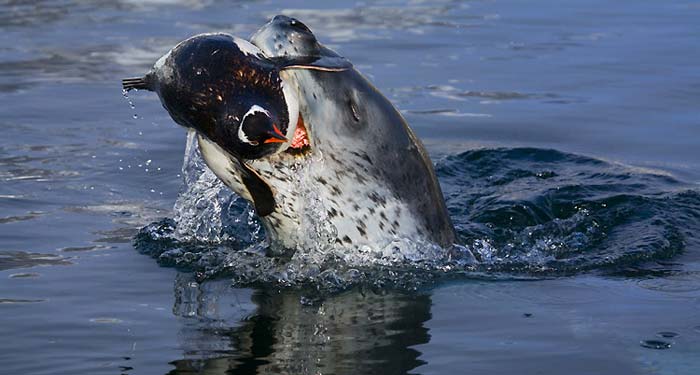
(564, 135)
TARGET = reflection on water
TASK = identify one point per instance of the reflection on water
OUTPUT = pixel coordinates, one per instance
(22, 259)
(356, 332)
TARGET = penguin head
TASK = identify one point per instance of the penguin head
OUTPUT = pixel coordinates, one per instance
(258, 133)
(224, 88)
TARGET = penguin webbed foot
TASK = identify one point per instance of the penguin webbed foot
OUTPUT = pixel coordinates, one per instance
(140, 83)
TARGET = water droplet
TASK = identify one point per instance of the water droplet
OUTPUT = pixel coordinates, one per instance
(309, 301)
(655, 344)
(135, 116)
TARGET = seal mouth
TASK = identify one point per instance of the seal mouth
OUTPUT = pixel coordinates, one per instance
(300, 141)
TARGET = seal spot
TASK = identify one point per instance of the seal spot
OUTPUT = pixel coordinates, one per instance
(376, 198)
(332, 212)
(367, 158)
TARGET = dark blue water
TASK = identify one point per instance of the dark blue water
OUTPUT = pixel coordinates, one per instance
(565, 137)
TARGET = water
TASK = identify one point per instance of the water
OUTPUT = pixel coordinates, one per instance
(564, 135)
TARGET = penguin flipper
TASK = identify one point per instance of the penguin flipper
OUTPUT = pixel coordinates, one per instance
(234, 172)
(260, 191)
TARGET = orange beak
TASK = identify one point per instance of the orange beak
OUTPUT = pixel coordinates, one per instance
(276, 136)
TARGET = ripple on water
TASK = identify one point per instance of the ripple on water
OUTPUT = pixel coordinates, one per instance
(667, 334)
(678, 283)
(21, 259)
(655, 344)
(24, 275)
(13, 301)
(106, 320)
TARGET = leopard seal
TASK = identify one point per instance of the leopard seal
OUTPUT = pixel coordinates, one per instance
(352, 174)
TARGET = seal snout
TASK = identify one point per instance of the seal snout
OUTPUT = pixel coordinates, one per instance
(141, 83)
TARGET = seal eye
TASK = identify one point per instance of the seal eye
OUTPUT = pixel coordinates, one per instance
(299, 25)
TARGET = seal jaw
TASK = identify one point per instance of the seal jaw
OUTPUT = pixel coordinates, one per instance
(301, 144)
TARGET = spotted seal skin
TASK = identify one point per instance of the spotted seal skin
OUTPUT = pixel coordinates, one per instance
(370, 173)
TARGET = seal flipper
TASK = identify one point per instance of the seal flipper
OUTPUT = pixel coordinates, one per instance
(322, 63)
(260, 191)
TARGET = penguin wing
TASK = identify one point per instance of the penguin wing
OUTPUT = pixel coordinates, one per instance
(260, 191)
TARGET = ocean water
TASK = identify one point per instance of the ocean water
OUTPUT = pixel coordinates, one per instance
(564, 134)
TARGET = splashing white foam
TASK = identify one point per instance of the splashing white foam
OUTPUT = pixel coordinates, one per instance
(206, 206)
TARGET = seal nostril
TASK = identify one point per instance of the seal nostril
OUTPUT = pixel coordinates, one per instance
(353, 110)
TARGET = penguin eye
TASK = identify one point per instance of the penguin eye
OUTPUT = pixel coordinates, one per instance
(254, 125)
(298, 25)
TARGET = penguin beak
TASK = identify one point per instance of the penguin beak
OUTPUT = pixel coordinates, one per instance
(276, 136)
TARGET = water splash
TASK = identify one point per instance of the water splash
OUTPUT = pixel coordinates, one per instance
(520, 212)
(206, 211)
